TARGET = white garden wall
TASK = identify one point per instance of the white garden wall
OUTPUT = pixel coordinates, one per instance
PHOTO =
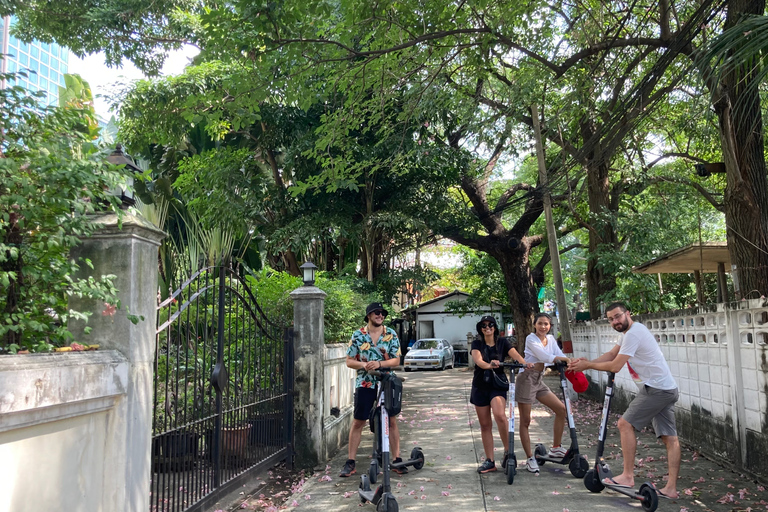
(60, 431)
(719, 357)
(338, 398)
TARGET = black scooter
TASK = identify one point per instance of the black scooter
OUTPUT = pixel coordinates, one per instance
(510, 462)
(578, 464)
(594, 478)
(389, 400)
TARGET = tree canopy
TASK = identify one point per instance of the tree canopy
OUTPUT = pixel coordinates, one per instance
(413, 119)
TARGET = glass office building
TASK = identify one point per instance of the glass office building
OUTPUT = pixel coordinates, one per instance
(45, 63)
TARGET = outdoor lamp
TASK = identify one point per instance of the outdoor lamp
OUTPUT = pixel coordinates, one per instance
(308, 269)
(117, 157)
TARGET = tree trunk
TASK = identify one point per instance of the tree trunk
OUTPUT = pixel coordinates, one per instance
(601, 232)
(520, 288)
(746, 192)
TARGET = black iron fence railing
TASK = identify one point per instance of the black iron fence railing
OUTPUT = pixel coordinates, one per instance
(223, 380)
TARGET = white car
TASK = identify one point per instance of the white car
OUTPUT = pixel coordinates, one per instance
(429, 353)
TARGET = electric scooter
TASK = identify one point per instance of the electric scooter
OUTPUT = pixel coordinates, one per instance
(578, 464)
(595, 477)
(389, 388)
(510, 462)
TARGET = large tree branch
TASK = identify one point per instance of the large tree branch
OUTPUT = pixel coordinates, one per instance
(504, 198)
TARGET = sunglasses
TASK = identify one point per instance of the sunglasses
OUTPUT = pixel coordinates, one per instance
(379, 312)
(484, 326)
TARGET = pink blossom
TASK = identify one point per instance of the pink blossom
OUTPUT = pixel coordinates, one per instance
(496, 498)
(423, 496)
(446, 493)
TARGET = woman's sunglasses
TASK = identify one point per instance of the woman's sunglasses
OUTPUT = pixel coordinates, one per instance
(483, 326)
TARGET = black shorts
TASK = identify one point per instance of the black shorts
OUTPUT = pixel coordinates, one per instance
(481, 397)
(364, 400)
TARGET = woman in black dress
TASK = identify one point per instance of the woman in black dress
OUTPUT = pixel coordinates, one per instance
(488, 351)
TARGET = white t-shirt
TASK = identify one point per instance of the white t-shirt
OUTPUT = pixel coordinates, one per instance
(646, 362)
(536, 352)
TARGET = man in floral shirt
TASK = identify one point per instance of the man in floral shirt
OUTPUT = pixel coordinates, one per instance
(372, 347)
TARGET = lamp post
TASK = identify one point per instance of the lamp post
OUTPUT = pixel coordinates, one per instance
(117, 157)
(308, 270)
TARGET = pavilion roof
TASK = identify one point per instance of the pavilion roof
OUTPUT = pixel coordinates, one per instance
(704, 257)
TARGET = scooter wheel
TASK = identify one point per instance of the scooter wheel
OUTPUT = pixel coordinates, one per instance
(511, 469)
(650, 498)
(540, 451)
(373, 471)
(591, 481)
(418, 456)
(388, 505)
(579, 466)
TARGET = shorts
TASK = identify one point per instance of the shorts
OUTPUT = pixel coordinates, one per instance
(655, 406)
(529, 386)
(482, 397)
(364, 400)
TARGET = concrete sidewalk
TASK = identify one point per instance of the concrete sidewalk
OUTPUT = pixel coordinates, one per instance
(438, 417)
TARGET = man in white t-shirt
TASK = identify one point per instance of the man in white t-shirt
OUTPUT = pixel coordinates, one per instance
(655, 400)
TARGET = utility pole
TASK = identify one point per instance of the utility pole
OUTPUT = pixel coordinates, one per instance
(557, 275)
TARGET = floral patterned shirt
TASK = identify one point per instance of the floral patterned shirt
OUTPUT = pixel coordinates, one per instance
(361, 348)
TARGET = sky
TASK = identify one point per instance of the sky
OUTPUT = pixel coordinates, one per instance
(105, 81)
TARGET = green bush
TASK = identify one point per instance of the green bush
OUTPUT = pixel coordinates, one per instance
(51, 176)
(344, 307)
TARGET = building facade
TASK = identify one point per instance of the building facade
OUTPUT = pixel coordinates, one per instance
(44, 63)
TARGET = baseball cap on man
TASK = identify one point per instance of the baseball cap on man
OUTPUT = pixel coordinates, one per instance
(578, 380)
(375, 306)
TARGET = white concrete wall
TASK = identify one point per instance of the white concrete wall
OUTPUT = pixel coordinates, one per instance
(719, 357)
(338, 391)
(59, 430)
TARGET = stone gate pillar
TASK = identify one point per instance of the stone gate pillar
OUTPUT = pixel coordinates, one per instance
(309, 345)
(128, 250)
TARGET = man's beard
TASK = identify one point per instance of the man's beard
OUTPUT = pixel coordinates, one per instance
(375, 322)
(623, 327)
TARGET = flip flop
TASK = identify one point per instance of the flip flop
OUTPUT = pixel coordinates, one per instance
(614, 483)
(662, 495)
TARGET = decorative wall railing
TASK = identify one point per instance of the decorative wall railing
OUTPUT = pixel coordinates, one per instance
(719, 357)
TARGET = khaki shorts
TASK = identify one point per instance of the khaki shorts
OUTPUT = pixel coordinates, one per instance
(655, 406)
(529, 386)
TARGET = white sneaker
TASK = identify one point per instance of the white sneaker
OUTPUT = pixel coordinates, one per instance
(557, 453)
(531, 465)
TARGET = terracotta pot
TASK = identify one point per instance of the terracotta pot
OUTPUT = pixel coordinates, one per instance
(234, 441)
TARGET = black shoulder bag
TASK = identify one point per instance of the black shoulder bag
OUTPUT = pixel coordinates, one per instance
(493, 379)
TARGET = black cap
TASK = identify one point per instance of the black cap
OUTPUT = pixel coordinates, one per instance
(486, 319)
(375, 306)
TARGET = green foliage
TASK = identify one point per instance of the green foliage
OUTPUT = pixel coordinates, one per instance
(344, 306)
(51, 178)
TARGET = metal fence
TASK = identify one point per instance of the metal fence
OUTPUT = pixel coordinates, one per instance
(223, 384)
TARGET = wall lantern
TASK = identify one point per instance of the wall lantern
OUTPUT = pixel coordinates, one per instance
(117, 157)
(308, 270)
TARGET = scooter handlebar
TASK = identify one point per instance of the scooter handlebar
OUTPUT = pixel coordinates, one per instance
(512, 365)
(385, 375)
